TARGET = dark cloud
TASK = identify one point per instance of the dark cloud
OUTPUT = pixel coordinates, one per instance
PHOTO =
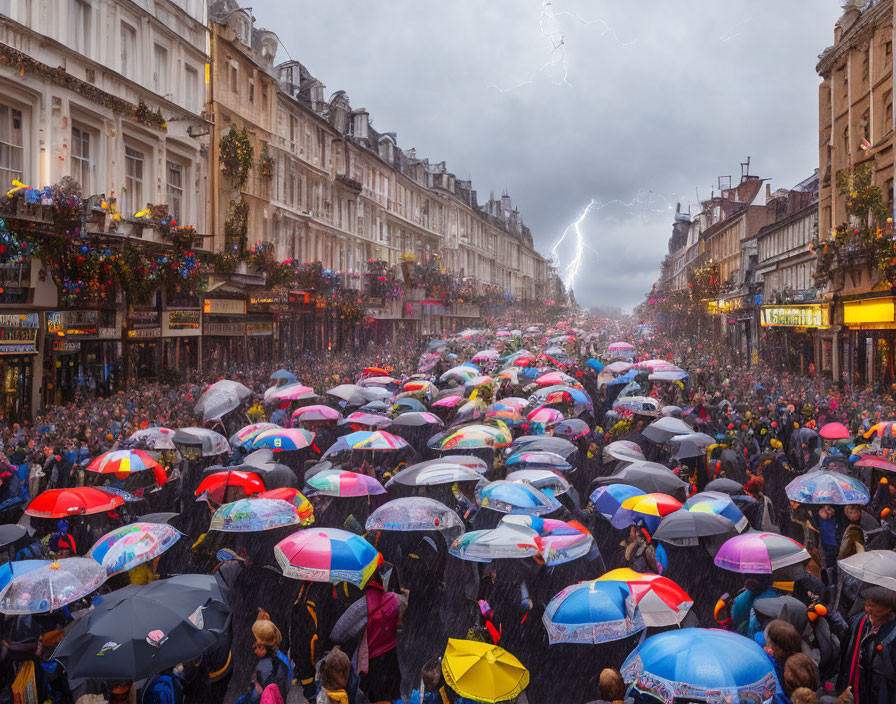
(673, 95)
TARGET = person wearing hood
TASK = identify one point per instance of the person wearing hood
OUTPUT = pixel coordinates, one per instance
(868, 662)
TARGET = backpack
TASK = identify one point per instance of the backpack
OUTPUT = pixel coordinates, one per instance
(163, 689)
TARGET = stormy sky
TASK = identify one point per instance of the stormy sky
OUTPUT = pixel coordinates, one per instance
(656, 100)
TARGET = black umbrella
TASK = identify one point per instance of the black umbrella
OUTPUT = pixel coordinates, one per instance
(648, 477)
(138, 631)
(163, 517)
(725, 486)
(10, 533)
(684, 528)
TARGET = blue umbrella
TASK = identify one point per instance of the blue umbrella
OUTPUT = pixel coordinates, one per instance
(407, 403)
(703, 664)
(608, 499)
(17, 569)
(719, 503)
(282, 375)
(509, 497)
(592, 612)
(625, 378)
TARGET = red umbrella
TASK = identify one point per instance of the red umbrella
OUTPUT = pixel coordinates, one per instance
(834, 431)
(876, 462)
(217, 484)
(77, 501)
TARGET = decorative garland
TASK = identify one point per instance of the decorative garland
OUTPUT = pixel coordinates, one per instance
(237, 155)
(147, 117)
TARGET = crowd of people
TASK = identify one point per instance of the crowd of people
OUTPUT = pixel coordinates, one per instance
(828, 635)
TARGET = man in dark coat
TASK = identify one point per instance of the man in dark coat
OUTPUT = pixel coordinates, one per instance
(868, 662)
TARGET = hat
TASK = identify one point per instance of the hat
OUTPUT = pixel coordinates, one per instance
(879, 595)
(265, 631)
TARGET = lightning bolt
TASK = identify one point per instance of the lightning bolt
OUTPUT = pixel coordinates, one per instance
(556, 63)
(643, 201)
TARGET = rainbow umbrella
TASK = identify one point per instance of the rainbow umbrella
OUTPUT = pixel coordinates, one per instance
(701, 664)
(341, 482)
(327, 555)
(660, 601)
(538, 459)
(717, 502)
(283, 439)
(123, 462)
(827, 487)
(510, 497)
(650, 508)
(608, 501)
(254, 515)
(545, 415)
(375, 440)
(124, 548)
(249, 433)
(759, 553)
(315, 413)
(421, 386)
(304, 509)
(51, 586)
(592, 612)
(416, 513)
(558, 542)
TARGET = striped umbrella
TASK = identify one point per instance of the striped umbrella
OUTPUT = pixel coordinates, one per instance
(660, 601)
(123, 462)
(327, 555)
(293, 392)
(283, 439)
(759, 553)
(249, 433)
(717, 502)
(608, 499)
(315, 412)
(651, 508)
(341, 482)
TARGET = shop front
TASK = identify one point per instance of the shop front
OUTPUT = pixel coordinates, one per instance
(144, 345)
(18, 350)
(265, 309)
(83, 351)
(790, 338)
(868, 343)
(181, 333)
(223, 333)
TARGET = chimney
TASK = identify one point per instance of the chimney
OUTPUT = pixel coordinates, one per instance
(768, 191)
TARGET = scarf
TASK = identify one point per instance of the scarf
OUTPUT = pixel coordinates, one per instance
(338, 696)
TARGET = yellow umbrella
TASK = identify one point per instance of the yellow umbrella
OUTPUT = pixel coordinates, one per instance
(483, 671)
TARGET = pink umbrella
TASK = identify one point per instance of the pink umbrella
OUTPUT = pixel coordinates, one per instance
(876, 462)
(834, 431)
(327, 555)
(341, 482)
(316, 413)
(551, 379)
(545, 415)
(449, 401)
(295, 392)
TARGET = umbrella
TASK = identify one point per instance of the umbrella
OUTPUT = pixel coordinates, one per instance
(416, 419)
(625, 451)
(315, 413)
(160, 517)
(648, 476)
(573, 428)
(690, 445)
(123, 462)
(253, 515)
(759, 553)
(420, 385)
(639, 405)
(482, 671)
(327, 555)
(546, 481)
(374, 371)
(868, 460)
(592, 612)
(416, 513)
(51, 586)
(724, 485)
(283, 439)
(293, 392)
(835, 431)
(283, 375)
(371, 420)
(649, 507)
(405, 404)
(827, 487)
(608, 499)
(660, 601)
(545, 415)
(873, 567)
(82, 500)
(241, 390)
(685, 528)
(434, 472)
(376, 440)
(341, 482)
(124, 548)
(10, 533)
(293, 496)
(558, 542)
(717, 502)
(378, 381)
(485, 356)
(217, 402)
(245, 436)
(668, 375)
(154, 438)
(461, 374)
(138, 631)
(204, 442)
(351, 394)
(618, 367)
(707, 665)
(665, 428)
(509, 497)
(274, 476)
(218, 483)
(541, 459)
(8, 570)
(449, 401)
